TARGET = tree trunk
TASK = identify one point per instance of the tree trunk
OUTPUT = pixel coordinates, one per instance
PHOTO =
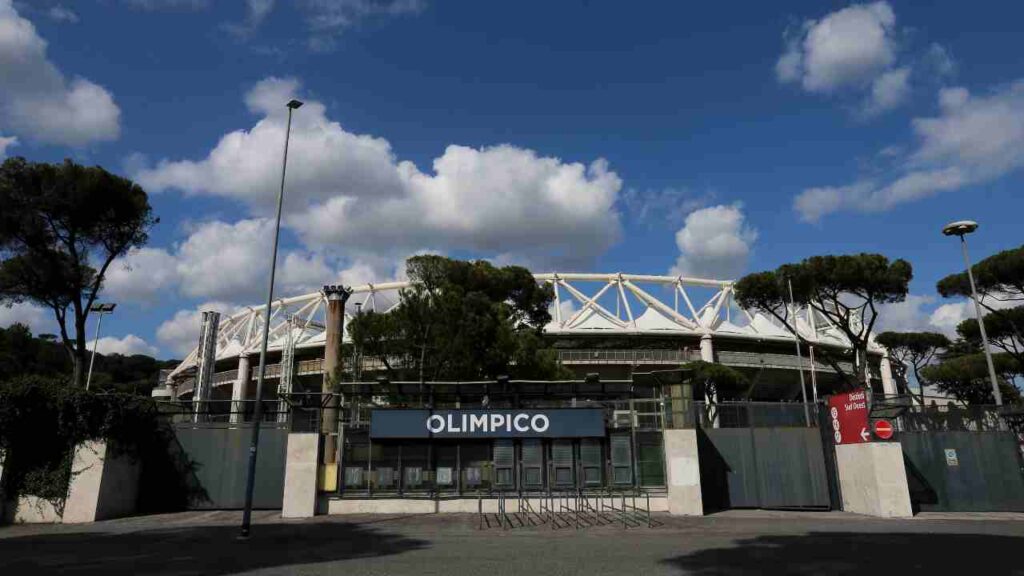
(80, 356)
(861, 361)
(920, 384)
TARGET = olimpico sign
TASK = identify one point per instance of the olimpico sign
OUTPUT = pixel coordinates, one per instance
(471, 423)
(556, 423)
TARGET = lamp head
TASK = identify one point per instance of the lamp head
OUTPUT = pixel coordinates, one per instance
(102, 307)
(294, 104)
(960, 228)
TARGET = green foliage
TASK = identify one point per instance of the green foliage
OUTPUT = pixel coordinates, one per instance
(713, 376)
(998, 277)
(844, 289)
(916, 349)
(21, 354)
(966, 378)
(42, 420)
(462, 320)
(913, 342)
(61, 227)
(1005, 329)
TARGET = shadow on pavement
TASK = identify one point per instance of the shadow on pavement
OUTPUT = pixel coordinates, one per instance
(849, 553)
(197, 549)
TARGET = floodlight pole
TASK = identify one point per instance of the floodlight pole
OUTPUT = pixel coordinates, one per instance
(962, 232)
(800, 358)
(100, 310)
(250, 480)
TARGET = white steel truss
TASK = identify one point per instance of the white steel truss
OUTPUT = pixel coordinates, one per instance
(643, 305)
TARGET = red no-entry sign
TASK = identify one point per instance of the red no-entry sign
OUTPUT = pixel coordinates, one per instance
(883, 429)
(849, 416)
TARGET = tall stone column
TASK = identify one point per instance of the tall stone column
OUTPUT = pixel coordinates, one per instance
(334, 332)
(239, 389)
(707, 354)
(707, 351)
(885, 367)
(206, 359)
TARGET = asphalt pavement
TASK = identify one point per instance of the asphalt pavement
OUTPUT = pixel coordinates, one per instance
(733, 543)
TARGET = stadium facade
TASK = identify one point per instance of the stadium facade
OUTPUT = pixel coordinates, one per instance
(625, 337)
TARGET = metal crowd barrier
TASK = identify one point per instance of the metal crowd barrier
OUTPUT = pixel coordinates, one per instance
(567, 509)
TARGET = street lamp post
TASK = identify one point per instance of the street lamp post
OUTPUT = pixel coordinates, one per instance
(100, 310)
(250, 480)
(962, 228)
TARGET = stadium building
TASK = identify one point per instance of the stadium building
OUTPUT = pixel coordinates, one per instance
(624, 336)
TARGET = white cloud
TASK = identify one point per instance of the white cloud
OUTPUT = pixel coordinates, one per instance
(180, 334)
(906, 316)
(974, 139)
(948, 316)
(141, 275)
(37, 101)
(61, 14)
(889, 91)
(940, 60)
(669, 204)
(918, 313)
(126, 346)
(230, 262)
(256, 11)
(329, 18)
(38, 319)
(852, 49)
(847, 47)
(350, 190)
(714, 242)
(5, 143)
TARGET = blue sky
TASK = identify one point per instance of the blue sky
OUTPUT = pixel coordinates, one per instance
(708, 140)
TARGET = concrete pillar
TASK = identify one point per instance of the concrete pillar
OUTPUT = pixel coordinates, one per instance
(707, 351)
(885, 367)
(300, 475)
(334, 331)
(683, 465)
(239, 389)
(206, 359)
(104, 484)
(873, 480)
(707, 354)
(3, 497)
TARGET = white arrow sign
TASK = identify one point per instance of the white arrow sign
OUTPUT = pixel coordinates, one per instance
(864, 434)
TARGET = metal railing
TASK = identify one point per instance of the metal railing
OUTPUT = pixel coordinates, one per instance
(222, 412)
(953, 418)
(627, 356)
(577, 509)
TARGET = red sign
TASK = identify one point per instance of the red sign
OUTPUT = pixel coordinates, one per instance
(883, 429)
(849, 415)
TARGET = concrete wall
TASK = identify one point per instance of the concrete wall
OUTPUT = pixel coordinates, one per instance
(103, 485)
(683, 465)
(873, 480)
(300, 476)
(32, 510)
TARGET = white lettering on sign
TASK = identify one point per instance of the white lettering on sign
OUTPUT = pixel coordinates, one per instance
(520, 422)
(469, 423)
(435, 424)
(540, 423)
